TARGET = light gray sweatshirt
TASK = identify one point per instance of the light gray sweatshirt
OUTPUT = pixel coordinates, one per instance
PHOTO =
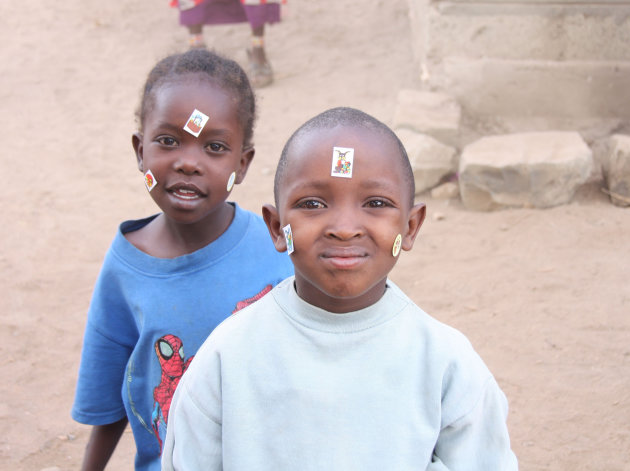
(283, 385)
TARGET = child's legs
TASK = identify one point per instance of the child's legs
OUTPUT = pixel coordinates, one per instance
(195, 29)
(258, 45)
(210, 12)
(258, 16)
(193, 19)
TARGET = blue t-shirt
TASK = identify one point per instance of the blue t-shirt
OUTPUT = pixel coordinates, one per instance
(148, 316)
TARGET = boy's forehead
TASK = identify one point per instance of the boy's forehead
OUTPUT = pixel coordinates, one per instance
(321, 136)
(314, 156)
(317, 144)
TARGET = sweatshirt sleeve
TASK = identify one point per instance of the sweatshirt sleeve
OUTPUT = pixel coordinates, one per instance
(194, 433)
(478, 440)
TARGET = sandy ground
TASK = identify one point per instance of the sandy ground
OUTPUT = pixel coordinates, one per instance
(544, 295)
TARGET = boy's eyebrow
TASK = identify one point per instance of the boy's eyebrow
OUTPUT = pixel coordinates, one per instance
(378, 183)
(315, 184)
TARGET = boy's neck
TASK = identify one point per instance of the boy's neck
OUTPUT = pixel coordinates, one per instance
(337, 303)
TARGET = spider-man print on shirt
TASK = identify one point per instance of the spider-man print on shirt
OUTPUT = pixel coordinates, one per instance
(170, 352)
(246, 302)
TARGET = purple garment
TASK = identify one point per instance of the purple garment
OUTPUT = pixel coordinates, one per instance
(217, 12)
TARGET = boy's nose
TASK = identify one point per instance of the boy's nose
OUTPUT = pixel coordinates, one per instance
(345, 224)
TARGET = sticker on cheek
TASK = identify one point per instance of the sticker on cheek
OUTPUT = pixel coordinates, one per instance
(342, 162)
(397, 244)
(149, 180)
(288, 237)
(230, 183)
(196, 122)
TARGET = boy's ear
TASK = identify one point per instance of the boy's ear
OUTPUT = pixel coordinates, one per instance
(416, 218)
(246, 159)
(272, 219)
(136, 142)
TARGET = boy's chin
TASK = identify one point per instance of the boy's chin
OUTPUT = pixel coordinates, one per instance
(340, 297)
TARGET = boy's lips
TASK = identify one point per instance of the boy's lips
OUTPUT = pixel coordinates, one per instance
(345, 258)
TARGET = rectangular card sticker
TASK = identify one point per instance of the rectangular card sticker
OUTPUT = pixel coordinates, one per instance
(196, 122)
(342, 162)
(288, 237)
(149, 180)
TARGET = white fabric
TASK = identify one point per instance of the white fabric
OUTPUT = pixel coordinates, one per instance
(283, 385)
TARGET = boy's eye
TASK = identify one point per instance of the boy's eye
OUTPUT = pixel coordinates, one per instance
(378, 203)
(167, 141)
(215, 147)
(311, 204)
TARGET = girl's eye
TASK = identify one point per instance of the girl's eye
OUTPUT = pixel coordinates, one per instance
(167, 141)
(216, 147)
(311, 204)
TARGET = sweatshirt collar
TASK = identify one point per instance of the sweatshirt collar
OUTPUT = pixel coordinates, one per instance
(313, 317)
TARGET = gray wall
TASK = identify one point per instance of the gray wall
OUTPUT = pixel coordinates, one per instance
(560, 64)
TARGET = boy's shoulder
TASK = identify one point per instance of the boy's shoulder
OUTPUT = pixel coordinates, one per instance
(442, 340)
(449, 354)
(424, 319)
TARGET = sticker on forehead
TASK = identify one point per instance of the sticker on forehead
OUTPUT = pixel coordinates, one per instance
(342, 162)
(288, 237)
(195, 123)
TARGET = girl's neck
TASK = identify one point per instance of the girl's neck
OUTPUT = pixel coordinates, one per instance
(166, 238)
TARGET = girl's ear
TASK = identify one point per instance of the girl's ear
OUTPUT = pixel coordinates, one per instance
(246, 158)
(272, 219)
(136, 142)
(416, 218)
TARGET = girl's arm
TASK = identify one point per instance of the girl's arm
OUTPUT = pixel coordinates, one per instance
(102, 443)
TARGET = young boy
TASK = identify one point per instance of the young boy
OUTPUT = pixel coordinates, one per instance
(337, 369)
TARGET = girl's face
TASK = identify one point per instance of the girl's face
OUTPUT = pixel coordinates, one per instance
(192, 173)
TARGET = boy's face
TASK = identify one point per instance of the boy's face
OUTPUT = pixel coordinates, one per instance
(343, 228)
(192, 173)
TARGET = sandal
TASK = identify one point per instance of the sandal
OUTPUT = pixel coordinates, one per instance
(195, 41)
(260, 75)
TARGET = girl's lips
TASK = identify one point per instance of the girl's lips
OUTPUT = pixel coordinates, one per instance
(185, 191)
(186, 194)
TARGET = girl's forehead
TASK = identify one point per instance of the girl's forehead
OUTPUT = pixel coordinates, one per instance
(191, 84)
(183, 97)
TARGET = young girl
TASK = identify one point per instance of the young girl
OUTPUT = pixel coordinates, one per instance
(168, 280)
(194, 14)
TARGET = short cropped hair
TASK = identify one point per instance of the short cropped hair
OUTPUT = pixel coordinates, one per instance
(349, 117)
(207, 65)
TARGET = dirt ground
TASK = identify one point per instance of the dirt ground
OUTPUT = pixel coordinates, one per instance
(544, 295)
